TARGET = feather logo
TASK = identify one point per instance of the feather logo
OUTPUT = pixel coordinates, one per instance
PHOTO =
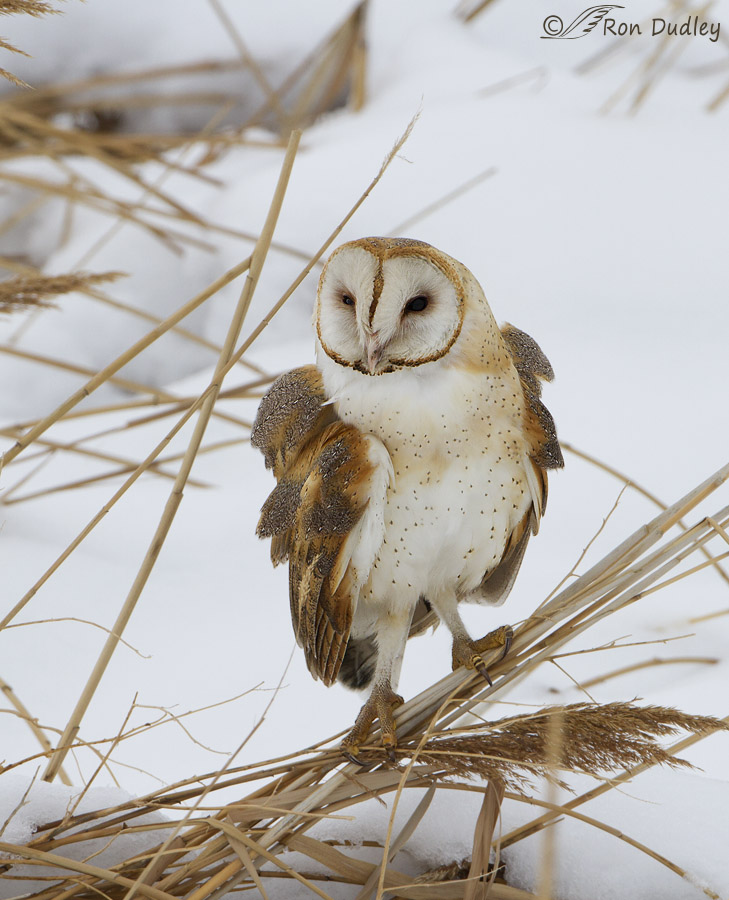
(582, 25)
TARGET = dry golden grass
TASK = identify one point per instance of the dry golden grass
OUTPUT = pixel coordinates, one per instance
(29, 7)
(25, 292)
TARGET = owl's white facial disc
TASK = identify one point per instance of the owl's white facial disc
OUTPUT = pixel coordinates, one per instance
(345, 295)
(380, 315)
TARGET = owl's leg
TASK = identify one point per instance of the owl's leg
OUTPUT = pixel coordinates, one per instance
(467, 652)
(391, 633)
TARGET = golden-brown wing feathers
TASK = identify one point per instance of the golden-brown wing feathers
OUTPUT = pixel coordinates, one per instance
(533, 366)
(323, 469)
(545, 453)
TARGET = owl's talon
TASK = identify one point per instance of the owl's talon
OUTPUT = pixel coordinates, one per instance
(351, 756)
(508, 639)
(479, 664)
(467, 653)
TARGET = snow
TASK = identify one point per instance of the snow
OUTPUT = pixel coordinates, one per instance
(668, 813)
(604, 236)
(24, 806)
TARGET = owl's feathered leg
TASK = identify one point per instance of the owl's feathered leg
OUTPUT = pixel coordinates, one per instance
(467, 652)
(391, 633)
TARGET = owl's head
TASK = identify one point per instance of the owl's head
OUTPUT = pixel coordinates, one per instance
(387, 303)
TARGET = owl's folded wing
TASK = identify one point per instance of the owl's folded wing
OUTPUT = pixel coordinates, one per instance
(325, 515)
(543, 453)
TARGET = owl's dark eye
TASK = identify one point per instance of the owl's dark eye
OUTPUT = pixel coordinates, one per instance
(347, 300)
(417, 304)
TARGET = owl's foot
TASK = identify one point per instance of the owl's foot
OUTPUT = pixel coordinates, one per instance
(382, 701)
(468, 653)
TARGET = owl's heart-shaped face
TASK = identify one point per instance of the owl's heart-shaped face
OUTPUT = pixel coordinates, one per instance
(387, 303)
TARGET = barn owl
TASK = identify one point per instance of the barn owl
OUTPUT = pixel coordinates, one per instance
(411, 466)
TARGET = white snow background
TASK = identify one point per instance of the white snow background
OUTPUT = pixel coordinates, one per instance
(605, 236)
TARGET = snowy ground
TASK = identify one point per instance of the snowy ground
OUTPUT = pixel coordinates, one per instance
(604, 236)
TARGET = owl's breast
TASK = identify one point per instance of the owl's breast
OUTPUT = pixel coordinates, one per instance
(460, 486)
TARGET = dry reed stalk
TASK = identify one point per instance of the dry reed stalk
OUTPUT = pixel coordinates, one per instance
(32, 721)
(647, 664)
(126, 464)
(483, 836)
(442, 201)
(539, 73)
(206, 411)
(358, 90)
(44, 100)
(103, 410)
(719, 99)
(469, 15)
(554, 750)
(51, 621)
(632, 483)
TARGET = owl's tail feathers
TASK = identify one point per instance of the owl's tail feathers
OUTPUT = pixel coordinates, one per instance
(358, 665)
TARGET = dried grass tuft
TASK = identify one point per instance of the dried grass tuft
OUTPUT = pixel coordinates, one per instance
(35, 8)
(454, 871)
(595, 740)
(32, 292)
(30, 7)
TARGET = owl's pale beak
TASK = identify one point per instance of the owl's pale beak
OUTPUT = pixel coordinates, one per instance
(374, 353)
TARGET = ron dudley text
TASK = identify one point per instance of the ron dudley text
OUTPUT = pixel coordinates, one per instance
(693, 26)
